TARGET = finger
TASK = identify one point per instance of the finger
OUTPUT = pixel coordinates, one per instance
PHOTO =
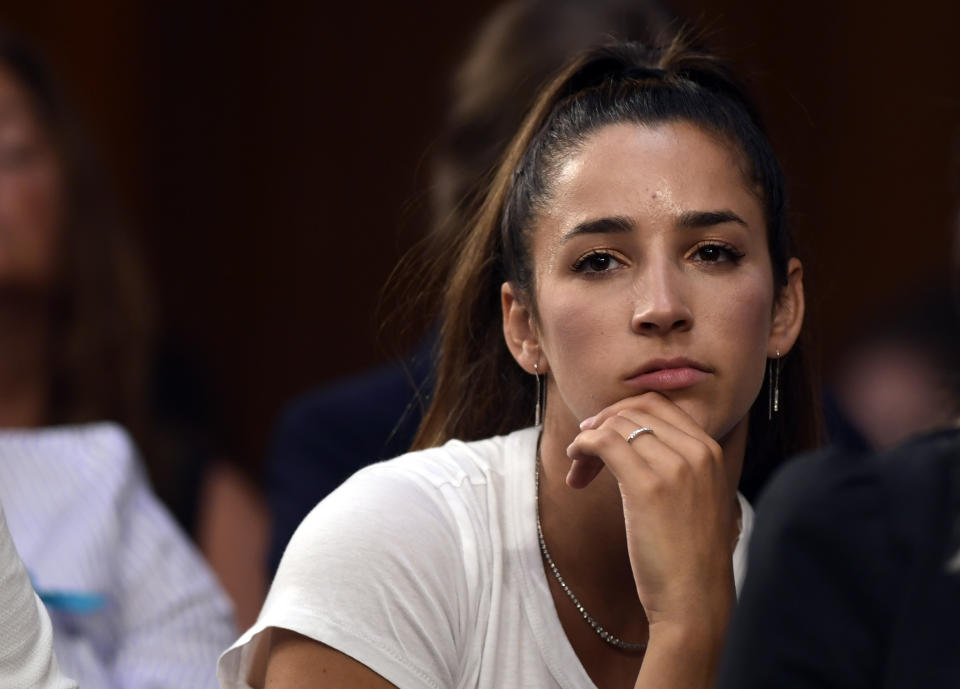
(693, 449)
(583, 471)
(650, 445)
(627, 465)
(660, 406)
(649, 402)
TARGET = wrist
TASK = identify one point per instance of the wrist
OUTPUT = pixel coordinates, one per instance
(692, 636)
(681, 655)
(702, 605)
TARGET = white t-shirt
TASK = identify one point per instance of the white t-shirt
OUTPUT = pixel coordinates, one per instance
(426, 569)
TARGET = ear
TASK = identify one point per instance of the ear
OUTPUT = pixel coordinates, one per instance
(519, 330)
(788, 312)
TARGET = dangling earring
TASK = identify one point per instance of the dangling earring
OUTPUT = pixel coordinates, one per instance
(773, 386)
(541, 395)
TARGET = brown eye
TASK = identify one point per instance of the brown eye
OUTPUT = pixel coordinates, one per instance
(710, 253)
(596, 262)
(717, 253)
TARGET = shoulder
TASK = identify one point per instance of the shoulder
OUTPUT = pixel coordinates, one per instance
(421, 524)
(872, 515)
(443, 491)
(99, 447)
(66, 474)
(396, 565)
(820, 487)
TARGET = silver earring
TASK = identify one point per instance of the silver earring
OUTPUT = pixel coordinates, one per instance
(541, 395)
(773, 386)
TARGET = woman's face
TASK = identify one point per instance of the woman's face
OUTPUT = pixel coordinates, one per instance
(652, 273)
(30, 191)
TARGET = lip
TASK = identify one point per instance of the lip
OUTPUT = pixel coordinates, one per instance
(669, 374)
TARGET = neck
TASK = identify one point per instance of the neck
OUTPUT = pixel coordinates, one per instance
(24, 330)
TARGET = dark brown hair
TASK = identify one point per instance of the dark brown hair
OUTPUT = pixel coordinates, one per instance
(480, 389)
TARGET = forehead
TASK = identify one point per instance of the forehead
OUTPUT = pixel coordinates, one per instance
(650, 173)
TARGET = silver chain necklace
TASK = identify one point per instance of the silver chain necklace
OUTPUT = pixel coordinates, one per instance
(601, 632)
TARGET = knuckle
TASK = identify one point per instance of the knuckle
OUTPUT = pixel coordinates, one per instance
(655, 486)
(651, 396)
(607, 437)
(680, 471)
(702, 458)
(714, 450)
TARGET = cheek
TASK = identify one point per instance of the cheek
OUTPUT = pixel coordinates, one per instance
(742, 319)
(568, 325)
(577, 323)
(31, 211)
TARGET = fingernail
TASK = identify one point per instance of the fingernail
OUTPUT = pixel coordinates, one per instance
(587, 423)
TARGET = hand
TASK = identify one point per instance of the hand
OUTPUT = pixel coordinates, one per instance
(677, 505)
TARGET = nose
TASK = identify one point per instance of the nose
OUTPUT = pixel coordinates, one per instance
(660, 306)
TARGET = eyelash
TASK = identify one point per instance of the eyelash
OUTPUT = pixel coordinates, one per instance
(730, 254)
(733, 254)
(580, 264)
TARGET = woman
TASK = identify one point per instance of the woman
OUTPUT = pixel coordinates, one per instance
(77, 331)
(131, 601)
(632, 257)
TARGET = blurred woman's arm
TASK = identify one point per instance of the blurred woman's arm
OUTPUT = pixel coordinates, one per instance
(26, 636)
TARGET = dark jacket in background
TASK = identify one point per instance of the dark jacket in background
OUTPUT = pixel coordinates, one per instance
(854, 573)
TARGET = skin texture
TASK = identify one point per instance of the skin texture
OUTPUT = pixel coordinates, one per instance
(643, 532)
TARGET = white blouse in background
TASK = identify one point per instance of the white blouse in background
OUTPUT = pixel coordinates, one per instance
(132, 602)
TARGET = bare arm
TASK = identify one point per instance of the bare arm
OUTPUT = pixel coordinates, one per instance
(679, 657)
(678, 506)
(297, 662)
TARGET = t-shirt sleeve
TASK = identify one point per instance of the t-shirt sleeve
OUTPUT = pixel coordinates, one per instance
(376, 571)
(818, 582)
(26, 635)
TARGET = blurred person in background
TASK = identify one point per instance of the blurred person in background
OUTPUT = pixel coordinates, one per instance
(132, 602)
(901, 374)
(325, 436)
(854, 568)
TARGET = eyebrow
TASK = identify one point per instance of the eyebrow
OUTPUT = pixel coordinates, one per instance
(617, 224)
(697, 219)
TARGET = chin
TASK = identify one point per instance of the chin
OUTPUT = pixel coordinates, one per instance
(704, 413)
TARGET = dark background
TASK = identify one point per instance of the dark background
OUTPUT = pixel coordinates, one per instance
(273, 159)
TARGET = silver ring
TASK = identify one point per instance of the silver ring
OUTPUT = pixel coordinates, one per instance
(639, 431)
